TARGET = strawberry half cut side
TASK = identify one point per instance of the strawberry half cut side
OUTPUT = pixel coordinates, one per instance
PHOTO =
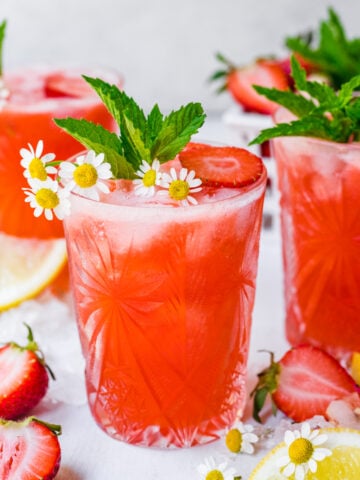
(302, 383)
(222, 166)
(30, 450)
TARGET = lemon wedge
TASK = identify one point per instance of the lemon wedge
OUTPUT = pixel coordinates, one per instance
(343, 463)
(27, 266)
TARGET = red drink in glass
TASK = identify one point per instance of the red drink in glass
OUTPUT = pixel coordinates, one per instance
(164, 296)
(320, 216)
(36, 97)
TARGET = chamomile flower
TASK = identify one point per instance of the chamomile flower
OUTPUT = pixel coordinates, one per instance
(149, 177)
(180, 188)
(241, 439)
(86, 174)
(303, 452)
(209, 470)
(35, 164)
(47, 197)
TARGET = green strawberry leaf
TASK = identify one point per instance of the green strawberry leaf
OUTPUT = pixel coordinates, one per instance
(97, 138)
(2, 38)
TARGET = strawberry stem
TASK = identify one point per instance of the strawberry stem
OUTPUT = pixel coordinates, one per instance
(56, 429)
(267, 384)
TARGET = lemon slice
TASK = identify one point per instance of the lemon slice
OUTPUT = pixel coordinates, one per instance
(27, 266)
(343, 463)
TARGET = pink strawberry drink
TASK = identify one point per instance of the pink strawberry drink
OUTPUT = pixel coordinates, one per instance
(164, 295)
(36, 97)
(320, 197)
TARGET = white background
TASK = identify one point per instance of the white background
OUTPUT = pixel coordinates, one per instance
(164, 48)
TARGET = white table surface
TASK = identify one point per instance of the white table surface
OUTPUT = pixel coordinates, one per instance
(89, 454)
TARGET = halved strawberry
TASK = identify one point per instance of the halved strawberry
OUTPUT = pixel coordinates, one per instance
(67, 84)
(263, 72)
(29, 450)
(24, 378)
(222, 166)
(302, 383)
(239, 81)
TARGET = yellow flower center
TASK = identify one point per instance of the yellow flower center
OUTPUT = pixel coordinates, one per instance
(37, 169)
(233, 440)
(149, 178)
(214, 475)
(85, 175)
(46, 198)
(179, 189)
(300, 450)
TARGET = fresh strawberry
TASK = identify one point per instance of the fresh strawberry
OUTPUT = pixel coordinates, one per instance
(239, 82)
(303, 383)
(64, 84)
(222, 166)
(29, 450)
(24, 378)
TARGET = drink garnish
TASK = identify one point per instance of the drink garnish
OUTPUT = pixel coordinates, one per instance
(2, 37)
(142, 137)
(4, 92)
(335, 55)
(321, 111)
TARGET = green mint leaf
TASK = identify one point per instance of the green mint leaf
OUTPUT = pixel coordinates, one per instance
(297, 104)
(326, 114)
(319, 91)
(141, 138)
(155, 122)
(118, 102)
(97, 138)
(2, 38)
(311, 126)
(346, 92)
(134, 145)
(176, 131)
(335, 55)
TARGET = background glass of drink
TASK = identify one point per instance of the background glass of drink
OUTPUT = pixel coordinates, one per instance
(163, 297)
(320, 218)
(37, 95)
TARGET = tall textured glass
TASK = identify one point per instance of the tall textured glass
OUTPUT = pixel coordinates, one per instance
(164, 296)
(320, 216)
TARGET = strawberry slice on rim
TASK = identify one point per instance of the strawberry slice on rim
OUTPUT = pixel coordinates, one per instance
(222, 166)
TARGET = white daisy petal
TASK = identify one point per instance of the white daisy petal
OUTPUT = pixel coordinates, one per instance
(282, 461)
(300, 472)
(289, 437)
(312, 465)
(319, 439)
(289, 470)
(39, 148)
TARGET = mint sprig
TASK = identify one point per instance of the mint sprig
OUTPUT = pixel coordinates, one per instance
(142, 137)
(335, 55)
(2, 37)
(323, 113)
